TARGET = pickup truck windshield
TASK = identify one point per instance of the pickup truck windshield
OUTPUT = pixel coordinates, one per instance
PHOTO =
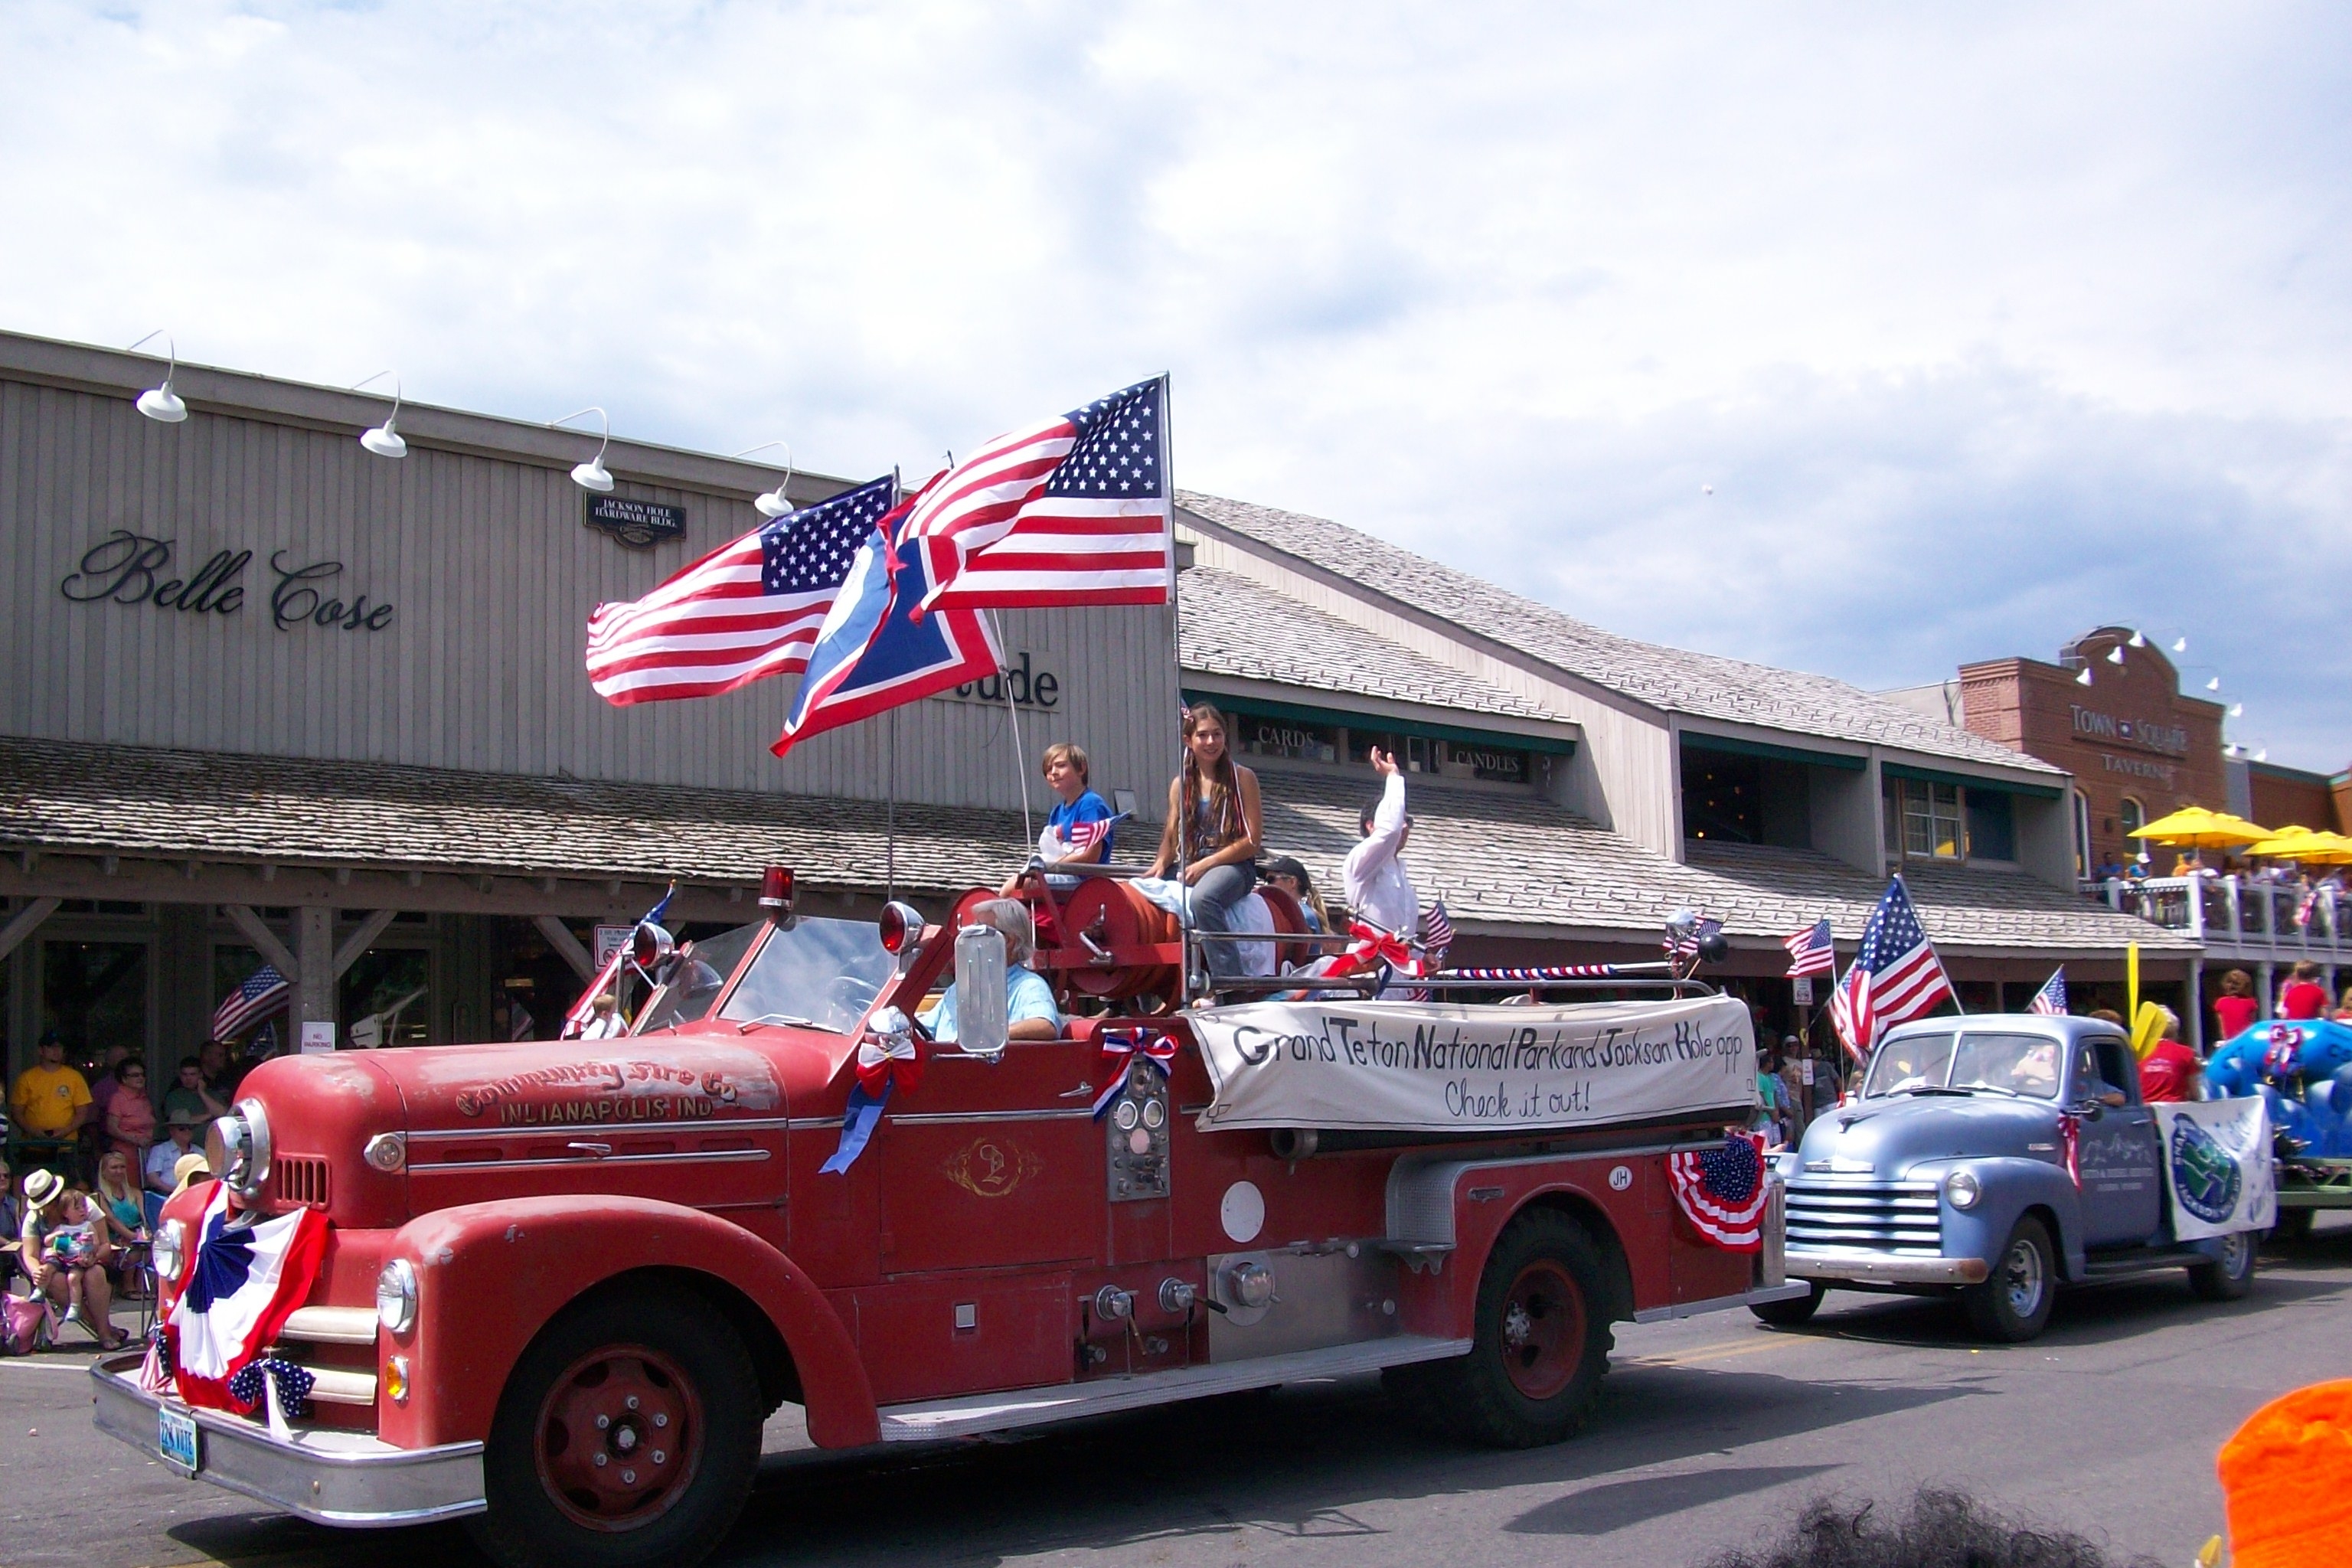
(818, 973)
(2006, 1064)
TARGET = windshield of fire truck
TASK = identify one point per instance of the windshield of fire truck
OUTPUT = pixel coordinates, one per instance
(692, 978)
(818, 973)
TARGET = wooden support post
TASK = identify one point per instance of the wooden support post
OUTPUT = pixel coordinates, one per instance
(559, 937)
(24, 923)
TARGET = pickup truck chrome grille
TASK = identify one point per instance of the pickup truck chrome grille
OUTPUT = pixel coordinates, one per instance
(1899, 1218)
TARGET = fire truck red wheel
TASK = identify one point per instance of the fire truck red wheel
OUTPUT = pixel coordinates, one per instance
(627, 1435)
(1541, 1344)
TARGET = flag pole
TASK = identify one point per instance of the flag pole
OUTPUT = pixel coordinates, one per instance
(1019, 764)
(890, 816)
(1176, 664)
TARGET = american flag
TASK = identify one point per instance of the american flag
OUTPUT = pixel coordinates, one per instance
(1722, 1190)
(1810, 952)
(264, 992)
(745, 611)
(2051, 1000)
(1896, 975)
(1435, 934)
(1073, 510)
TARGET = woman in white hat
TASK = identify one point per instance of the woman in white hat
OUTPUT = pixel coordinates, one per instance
(60, 1249)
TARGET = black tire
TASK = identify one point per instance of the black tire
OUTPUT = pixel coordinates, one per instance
(2013, 1305)
(2292, 1226)
(1795, 1312)
(1541, 1343)
(690, 1373)
(2233, 1276)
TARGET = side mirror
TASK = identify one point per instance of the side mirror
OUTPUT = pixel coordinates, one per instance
(981, 1028)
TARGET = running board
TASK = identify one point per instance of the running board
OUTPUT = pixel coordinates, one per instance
(934, 1419)
(2098, 1268)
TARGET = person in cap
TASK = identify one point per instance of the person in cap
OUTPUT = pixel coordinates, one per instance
(2286, 1480)
(49, 1101)
(179, 1140)
(1288, 873)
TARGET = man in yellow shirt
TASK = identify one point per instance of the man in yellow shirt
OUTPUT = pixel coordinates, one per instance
(49, 1101)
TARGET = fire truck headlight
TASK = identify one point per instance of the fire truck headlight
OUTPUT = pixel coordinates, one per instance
(1963, 1188)
(169, 1248)
(396, 1296)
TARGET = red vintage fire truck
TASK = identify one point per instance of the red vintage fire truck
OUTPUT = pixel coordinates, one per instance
(564, 1283)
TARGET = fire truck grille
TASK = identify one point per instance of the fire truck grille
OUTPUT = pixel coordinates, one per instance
(302, 1179)
(1898, 1217)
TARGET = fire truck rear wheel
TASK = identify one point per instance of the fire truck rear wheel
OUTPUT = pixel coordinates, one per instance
(1541, 1343)
(627, 1435)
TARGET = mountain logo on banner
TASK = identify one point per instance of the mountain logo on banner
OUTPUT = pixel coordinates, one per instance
(2204, 1176)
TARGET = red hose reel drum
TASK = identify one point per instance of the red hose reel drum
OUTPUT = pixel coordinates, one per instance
(1140, 936)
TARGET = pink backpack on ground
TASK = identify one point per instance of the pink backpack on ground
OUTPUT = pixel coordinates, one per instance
(24, 1325)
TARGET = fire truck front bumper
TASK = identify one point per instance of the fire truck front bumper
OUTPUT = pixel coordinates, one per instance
(328, 1476)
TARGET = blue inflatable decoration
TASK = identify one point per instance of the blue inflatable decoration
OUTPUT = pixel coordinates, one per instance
(2303, 1069)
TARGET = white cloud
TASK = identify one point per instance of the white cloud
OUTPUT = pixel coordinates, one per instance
(1964, 313)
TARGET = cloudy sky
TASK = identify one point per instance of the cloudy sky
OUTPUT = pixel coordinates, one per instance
(1985, 324)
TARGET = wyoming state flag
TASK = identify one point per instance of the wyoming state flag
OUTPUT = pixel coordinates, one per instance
(246, 1280)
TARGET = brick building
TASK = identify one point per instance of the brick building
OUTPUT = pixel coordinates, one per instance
(2109, 712)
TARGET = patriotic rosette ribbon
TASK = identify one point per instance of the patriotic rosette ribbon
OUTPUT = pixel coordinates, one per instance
(248, 1276)
(888, 1059)
(2070, 1134)
(1120, 1049)
(1722, 1190)
(1374, 946)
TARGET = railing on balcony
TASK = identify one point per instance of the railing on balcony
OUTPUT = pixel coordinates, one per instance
(2256, 917)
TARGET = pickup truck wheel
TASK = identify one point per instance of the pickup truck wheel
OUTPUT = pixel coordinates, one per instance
(2014, 1303)
(2232, 1276)
(627, 1435)
(1541, 1345)
(1793, 1313)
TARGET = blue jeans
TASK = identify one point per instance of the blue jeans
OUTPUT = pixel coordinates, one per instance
(1213, 900)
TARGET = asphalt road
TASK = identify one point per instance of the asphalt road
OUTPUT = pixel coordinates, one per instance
(1713, 1432)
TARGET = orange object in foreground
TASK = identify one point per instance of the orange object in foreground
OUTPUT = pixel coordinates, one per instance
(2287, 1478)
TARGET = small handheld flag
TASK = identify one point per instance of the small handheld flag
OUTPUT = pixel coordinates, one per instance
(2051, 1000)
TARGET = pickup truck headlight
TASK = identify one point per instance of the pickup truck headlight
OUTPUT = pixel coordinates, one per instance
(396, 1296)
(1963, 1189)
(169, 1248)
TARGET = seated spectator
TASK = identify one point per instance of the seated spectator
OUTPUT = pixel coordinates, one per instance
(1215, 823)
(1081, 828)
(189, 1097)
(129, 1114)
(1029, 1007)
(12, 1221)
(2236, 1009)
(2188, 863)
(115, 1199)
(67, 1255)
(2170, 1073)
(49, 1101)
(2303, 997)
(1285, 872)
(221, 1072)
(179, 1139)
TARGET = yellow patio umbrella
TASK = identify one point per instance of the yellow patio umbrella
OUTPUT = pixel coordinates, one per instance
(2283, 842)
(2193, 826)
(2324, 849)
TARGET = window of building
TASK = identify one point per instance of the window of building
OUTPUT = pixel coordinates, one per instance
(2081, 835)
(1931, 819)
(1260, 736)
(1992, 826)
(94, 995)
(2134, 818)
(1723, 797)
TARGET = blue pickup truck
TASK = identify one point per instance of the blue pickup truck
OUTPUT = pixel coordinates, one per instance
(1949, 1173)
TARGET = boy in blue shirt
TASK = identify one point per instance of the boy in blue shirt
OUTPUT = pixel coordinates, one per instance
(1081, 826)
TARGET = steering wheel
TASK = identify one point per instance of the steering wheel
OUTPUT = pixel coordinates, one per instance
(847, 999)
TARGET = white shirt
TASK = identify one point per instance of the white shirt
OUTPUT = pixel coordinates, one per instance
(608, 1027)
(1380, 891)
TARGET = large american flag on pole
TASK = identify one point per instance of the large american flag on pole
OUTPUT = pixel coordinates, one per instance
(1073, 510)
(747, 610)
(1896, 976)
(262, 993)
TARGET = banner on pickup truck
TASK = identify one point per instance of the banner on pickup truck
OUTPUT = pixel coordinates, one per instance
(1447, 1068)
(2217, 1167)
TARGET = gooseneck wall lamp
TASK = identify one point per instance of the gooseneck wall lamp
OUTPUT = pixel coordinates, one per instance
(591, 474)
(773, 503)
(161, 404)
(385, 439)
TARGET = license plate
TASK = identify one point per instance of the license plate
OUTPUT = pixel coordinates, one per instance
(175, 1438)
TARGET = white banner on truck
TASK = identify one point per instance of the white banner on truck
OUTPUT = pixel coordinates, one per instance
(1443, 1067)
(2217, 1166)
